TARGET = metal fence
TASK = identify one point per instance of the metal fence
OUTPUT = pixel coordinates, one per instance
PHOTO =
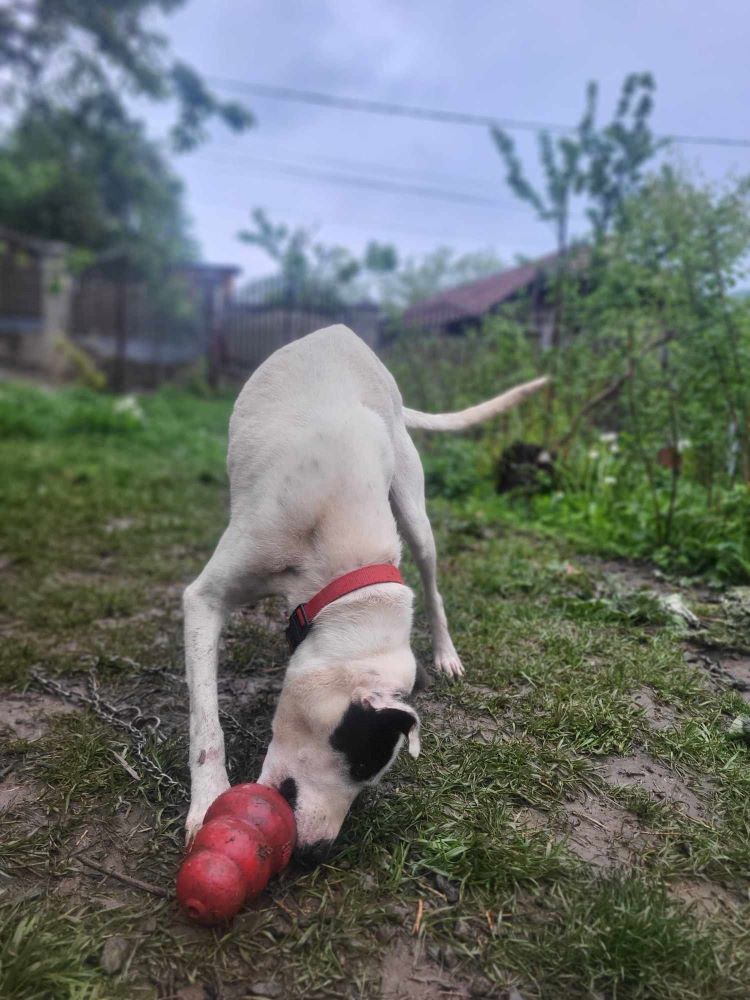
(141, 334)
(135, 336)
(269, 314)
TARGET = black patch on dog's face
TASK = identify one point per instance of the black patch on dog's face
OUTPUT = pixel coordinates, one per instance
(288, 788)
(367, 738)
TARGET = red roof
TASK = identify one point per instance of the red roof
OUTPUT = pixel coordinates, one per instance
(476, 298)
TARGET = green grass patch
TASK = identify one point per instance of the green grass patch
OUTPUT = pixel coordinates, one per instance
(463, 854)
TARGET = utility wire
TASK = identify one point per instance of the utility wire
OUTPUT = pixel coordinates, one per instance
(355, 180)
(323, 160)
(393, 109)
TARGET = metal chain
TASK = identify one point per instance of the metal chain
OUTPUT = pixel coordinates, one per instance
(128, 718)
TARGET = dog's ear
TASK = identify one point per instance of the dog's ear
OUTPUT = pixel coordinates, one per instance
(369, 731)
(406, 717)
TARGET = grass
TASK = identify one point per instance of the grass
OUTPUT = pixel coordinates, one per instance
(467, 856)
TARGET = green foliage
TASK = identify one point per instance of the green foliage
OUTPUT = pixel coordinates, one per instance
(628, 938)
(90, 177)
(36, 416)
(83, 366)
(67, 53)
(454, 469)
(420, 277)
(472, 852)
(603, 165)
(650, 405)
(35, 958)
(75, 164)
(312, 273)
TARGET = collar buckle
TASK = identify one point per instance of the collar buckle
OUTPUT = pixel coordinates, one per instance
(299, 626)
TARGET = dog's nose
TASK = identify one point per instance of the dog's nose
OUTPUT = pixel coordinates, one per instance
(312, 855)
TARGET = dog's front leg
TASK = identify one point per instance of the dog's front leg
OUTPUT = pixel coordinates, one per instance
(204, 619)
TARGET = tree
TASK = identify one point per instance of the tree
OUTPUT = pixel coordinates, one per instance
(314, 273)
(75, 164)
(91, 178)
(420, 277)
(602, 165)
(64, 52)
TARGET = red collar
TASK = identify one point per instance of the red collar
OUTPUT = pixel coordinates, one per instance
(301, 619)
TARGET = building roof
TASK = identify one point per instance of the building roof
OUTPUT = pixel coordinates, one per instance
(476, 298)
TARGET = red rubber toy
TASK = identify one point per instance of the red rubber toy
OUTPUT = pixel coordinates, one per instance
(265, 809)
(248, 835)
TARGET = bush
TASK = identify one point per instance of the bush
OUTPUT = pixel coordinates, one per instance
(649, 408)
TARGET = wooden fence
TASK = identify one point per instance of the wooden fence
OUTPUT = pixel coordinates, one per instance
(142, 335)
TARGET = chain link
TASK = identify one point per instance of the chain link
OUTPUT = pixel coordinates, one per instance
(128, 718)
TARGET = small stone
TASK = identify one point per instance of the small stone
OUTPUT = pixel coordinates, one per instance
(399, 913)
(740, 728)
(114, 953)
(483, 989)
(448, 889)
(384, 933)
(450, 956)
(462, 929)
(435, 953)
(368, 881)
(195, 992)
(68, 886)
(268, 991)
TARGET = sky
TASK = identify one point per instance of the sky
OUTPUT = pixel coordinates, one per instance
(507, 58)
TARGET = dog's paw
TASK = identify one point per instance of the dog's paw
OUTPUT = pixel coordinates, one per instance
(199, 804)
(448, 662)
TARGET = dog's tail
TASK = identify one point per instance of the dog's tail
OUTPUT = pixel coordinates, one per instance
(475, 414)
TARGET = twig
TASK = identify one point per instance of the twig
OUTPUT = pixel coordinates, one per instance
(418, 921)
(123, 763)
(588, 819)
(285, 908)
(136, 883)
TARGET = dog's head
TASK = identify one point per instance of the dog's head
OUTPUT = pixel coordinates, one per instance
(336, 730)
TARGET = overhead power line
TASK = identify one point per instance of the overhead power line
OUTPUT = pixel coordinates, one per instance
(381, 107)
(402, 172)
(358, 180)
(392, 109)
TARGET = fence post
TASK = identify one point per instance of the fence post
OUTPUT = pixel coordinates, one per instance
(212, 353)
(121, 335)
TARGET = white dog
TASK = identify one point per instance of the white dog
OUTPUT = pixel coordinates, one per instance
(323, 477)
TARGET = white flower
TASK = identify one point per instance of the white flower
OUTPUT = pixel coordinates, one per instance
(683, 444)
(593, 454)
(608, 437)
(129, 405)
(610, 480)
(614, 449)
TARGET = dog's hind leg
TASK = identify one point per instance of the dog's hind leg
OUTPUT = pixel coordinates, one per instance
(227, 581)
(407, 501)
